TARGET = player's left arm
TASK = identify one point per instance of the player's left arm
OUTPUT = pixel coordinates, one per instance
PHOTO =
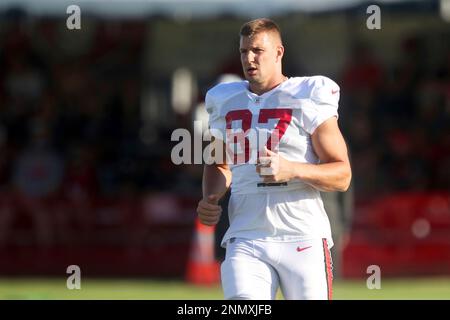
(333, 173)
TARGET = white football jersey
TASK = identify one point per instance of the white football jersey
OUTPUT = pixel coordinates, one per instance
(290, 112)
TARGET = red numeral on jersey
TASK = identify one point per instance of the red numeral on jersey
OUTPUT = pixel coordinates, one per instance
(245, 116)
(285, 116)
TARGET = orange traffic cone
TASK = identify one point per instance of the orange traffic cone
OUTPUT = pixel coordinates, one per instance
(202, 267)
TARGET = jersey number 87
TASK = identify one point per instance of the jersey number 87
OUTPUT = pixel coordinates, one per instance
(241, 137)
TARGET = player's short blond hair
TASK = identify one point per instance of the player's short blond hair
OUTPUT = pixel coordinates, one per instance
(256, 26)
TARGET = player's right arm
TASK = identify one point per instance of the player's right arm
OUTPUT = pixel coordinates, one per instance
(216, 181)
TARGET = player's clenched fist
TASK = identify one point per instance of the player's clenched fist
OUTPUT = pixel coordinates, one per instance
(273, 167)
(209, 210)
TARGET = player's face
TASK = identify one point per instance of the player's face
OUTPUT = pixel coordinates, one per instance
(259, 57)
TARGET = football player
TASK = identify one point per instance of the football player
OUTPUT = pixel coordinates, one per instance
(279, 234)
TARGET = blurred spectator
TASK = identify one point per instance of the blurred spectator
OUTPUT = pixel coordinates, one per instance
(404, 79)
(37, 178)
(362, 77)
(363, 71)
(74, 213)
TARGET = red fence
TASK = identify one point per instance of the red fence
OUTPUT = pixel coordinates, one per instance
(130, 236)
(404, 234)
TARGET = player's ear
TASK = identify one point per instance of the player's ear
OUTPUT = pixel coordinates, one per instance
(280, 52)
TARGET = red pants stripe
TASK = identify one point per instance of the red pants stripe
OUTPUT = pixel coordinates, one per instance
(328, 270)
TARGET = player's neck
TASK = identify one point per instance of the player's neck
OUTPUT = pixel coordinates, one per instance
(261, 88)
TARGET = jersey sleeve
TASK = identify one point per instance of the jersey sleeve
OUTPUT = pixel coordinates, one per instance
(216, 123)
(324, 100)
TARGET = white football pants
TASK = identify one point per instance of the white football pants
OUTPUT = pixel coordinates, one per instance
(255, 269)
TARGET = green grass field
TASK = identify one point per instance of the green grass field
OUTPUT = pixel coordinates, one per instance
(138, 289)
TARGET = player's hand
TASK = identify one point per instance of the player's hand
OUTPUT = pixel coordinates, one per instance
(209, 211)
(273, 168)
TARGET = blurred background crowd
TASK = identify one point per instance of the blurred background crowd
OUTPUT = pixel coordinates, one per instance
(86, 115)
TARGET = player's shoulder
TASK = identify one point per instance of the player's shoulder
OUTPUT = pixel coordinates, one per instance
(317, 88)
(311, 83)
(223, 90)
